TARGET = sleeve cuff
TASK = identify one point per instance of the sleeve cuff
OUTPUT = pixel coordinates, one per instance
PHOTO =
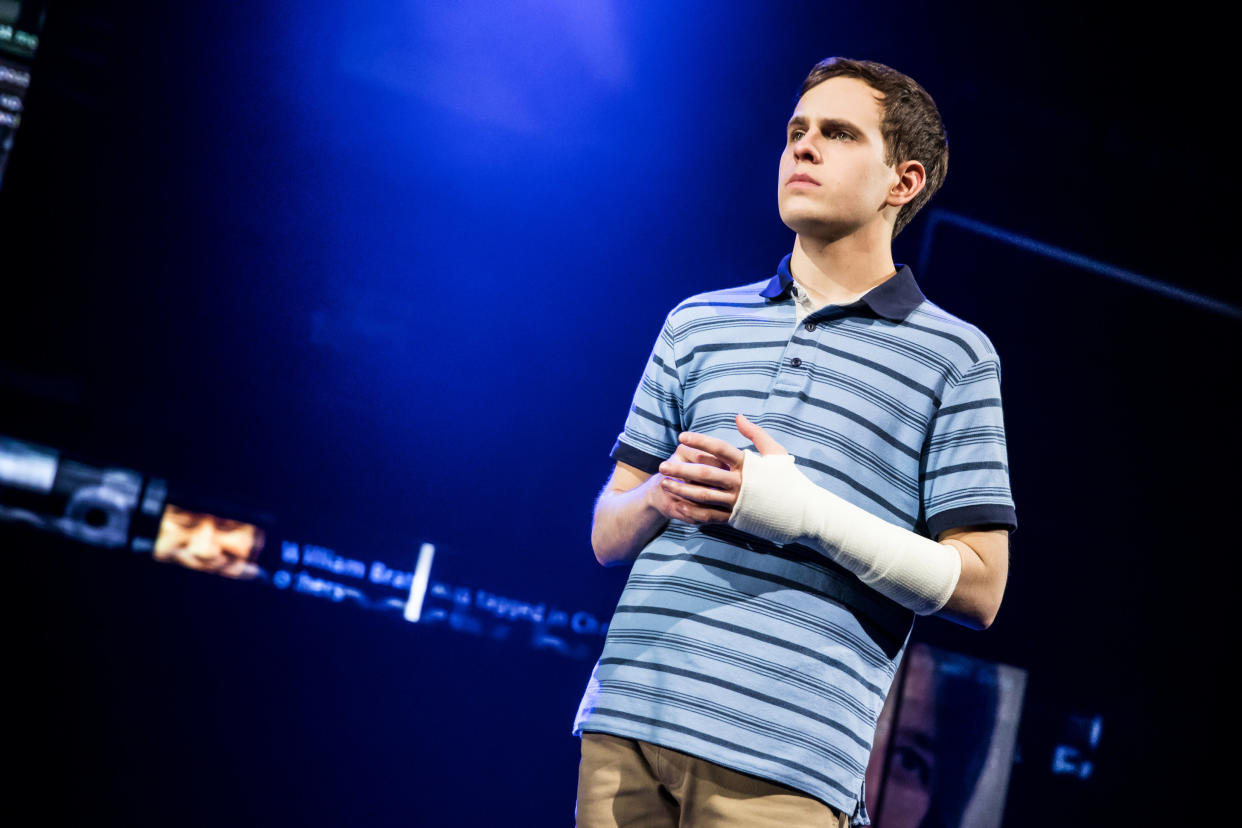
(987, 515)
(641, 460)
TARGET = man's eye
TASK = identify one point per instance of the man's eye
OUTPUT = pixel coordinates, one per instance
(838, 135)
(911, 766)
(796, 136)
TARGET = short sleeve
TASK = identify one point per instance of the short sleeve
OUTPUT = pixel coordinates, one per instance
(966, 468)
(655, 418)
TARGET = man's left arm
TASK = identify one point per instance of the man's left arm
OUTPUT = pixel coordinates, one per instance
(961, 577)
(981, 584)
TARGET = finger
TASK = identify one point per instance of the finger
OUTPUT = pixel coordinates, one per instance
(701, 474)
(690, 512)
(764, 444)
(690, 455)
(701, 495)
(712, 445)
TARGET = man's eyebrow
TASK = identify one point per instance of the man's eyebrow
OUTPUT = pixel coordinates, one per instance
(826, 124)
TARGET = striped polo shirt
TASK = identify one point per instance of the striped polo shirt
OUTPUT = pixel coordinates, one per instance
(773, 660)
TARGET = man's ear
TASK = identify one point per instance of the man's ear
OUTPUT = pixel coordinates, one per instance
(911, 178)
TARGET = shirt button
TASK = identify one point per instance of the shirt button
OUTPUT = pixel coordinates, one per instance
(796, 362)
(810, 326)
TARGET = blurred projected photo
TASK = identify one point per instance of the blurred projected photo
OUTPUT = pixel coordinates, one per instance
(88, 503)
(944, 746)
(208, 543)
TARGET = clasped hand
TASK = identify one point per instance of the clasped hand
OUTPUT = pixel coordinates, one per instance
(701, 481)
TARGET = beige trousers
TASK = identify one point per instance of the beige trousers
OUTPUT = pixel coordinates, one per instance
(625, 783)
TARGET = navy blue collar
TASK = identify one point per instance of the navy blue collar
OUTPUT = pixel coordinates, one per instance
(893, 298)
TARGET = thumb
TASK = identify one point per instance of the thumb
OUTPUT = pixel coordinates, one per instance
(765, 444)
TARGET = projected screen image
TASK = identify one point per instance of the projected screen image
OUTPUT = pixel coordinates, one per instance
(88, 503)
(118, 508)
(20, 24)
(208, 543)
(945, 742)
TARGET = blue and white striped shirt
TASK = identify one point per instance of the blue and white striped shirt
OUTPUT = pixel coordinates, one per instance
(775, 661)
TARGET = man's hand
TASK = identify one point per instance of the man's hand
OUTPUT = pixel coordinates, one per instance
(701, 481)
(636, 506)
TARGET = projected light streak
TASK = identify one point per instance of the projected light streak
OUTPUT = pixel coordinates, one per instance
(1031, 245)
(418, 586)
(544, 626)
(21, 42)
(24, 466)
(14, 76)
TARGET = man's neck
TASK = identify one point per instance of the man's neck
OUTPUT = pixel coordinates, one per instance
(840, 271)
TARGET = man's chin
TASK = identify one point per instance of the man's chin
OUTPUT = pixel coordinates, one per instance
(817, 227)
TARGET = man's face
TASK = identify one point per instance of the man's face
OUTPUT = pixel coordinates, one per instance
(910, 777)
(833, 179)
(205, 542)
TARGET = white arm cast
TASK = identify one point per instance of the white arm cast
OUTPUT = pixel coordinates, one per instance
(778, 503)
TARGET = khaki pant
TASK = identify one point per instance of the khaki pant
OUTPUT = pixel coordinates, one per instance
(625, 783)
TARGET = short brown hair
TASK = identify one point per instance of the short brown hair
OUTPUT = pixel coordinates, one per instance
(910, 122)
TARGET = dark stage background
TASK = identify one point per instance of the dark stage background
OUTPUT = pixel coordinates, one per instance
(378, 275)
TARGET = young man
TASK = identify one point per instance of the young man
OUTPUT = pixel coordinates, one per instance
(773, 591)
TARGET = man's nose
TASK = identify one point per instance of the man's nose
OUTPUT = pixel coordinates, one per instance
(804, 149)
(202, 540)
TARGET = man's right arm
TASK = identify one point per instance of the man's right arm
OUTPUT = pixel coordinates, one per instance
(633, 508)
(624, 517)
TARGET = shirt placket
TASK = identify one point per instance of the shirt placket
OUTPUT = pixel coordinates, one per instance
(793, 374)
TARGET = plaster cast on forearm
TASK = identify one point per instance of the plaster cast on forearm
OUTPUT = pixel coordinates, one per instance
(777, 502)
